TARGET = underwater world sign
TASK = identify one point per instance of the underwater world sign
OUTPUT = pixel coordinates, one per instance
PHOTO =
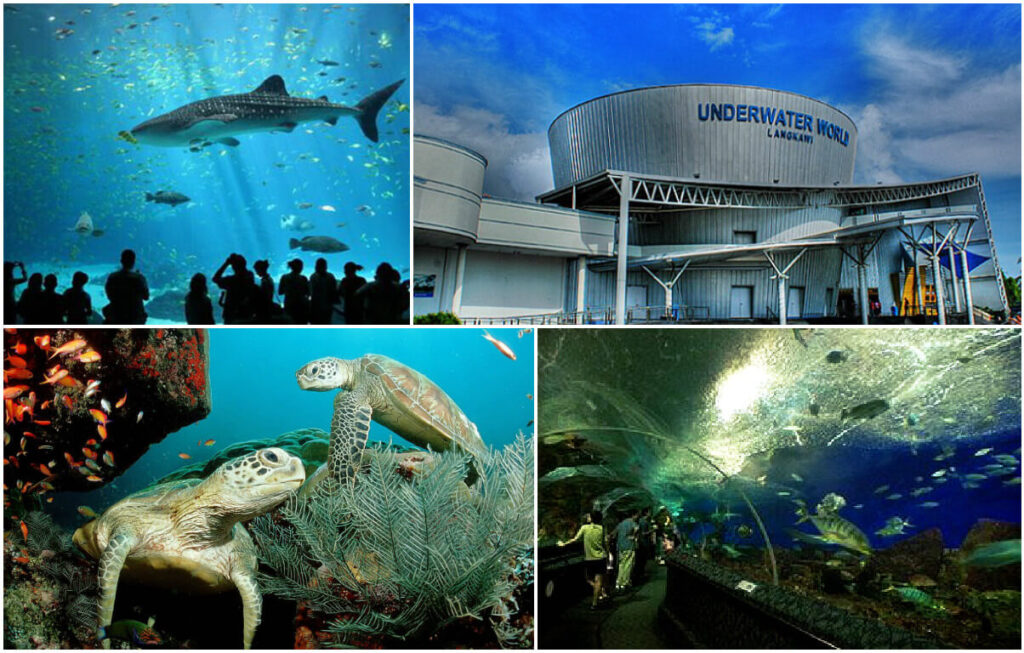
(192, 132)
(873, 470)
(350, 487)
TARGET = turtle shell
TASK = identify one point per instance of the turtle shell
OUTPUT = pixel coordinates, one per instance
(419, 410)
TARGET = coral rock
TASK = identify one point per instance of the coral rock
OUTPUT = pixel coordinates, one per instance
(162, 374)
(920, 554)
(987, 531)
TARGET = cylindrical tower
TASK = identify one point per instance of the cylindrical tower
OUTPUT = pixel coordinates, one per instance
(708, 132)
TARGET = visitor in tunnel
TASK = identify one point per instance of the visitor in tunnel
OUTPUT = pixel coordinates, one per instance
(626, 535)
(644, 547)
(595, 553)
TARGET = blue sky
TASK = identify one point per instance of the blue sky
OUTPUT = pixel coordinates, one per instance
(935, 90)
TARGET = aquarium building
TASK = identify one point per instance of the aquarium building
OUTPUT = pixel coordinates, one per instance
(699, 202)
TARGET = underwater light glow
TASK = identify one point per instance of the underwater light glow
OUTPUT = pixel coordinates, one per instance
(740, 389)
(726, 453)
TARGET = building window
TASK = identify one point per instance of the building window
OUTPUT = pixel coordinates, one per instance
(744, 237)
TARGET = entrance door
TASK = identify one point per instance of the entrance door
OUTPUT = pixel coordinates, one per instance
(741, 301)
(795, 302)
(636, 296)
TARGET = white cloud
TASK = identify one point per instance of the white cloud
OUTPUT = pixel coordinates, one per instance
(713, 36)
(936, 114)
(519, 165)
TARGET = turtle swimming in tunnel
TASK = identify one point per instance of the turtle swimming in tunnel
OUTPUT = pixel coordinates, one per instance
(394, 395)
(188, 534)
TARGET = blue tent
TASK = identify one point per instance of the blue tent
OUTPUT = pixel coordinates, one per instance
(973, 260)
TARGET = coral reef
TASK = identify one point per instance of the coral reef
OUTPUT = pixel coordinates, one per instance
(82, 406)
(399, 557)
(49, 591)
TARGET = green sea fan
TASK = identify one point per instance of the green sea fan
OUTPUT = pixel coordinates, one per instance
(404, 558)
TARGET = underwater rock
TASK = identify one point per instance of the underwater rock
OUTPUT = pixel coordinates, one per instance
(168, 305)
(920, 554)
(98, 392)
(1000, 611)
(988, 531)
(49, 594)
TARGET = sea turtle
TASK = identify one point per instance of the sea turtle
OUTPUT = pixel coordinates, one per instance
(396, 396)
(187, 534)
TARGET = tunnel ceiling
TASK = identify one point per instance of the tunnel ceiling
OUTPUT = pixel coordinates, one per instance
(735, 395)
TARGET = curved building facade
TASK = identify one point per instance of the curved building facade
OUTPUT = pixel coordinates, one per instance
(701, 202)
(711, 132)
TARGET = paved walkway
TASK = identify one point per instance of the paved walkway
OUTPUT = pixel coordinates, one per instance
(629, 621)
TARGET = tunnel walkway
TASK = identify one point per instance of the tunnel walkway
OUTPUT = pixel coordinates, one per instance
(628, 621)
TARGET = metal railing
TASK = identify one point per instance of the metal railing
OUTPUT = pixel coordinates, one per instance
(634, 315)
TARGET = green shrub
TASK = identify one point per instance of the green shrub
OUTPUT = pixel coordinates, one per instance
(437, 318)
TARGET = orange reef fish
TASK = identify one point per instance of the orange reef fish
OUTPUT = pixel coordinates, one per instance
(89, 453)
(502, 347)
(87, 512)
(17, 361)
(43, 342)
(68, 401)
(121, 401)
(108, 458)
(60, 374)
(20, 348)
(89, 356)
(102, 430)
(98, 415)
(24, 531)
(94, 478)
(69, 347)
(184, 456)
(19, 374)
(14, 391)
(210, 443)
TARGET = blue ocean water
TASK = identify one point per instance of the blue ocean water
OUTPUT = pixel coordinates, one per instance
(255, 395)
(77, 75)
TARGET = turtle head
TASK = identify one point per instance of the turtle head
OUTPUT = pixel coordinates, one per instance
(325, 374)
(251, 485)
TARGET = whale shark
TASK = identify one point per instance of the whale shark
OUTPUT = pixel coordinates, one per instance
(268, 108)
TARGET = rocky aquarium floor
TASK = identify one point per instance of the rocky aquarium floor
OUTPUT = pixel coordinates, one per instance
(972, 608)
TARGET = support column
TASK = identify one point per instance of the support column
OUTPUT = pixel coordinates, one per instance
(782, 300)
(862, 282)
(625, 190)
(581, 287)
(952, 272)
(460, 274)
(967, 287)
(940, 294)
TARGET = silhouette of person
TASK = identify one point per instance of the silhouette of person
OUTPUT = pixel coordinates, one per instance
(10, 281)
(382, 298)
(323, 294)
(238, 290)
(127, 291)
(30, 302)
(295, 288)
(77, 302)
(347, 288)
(52, 304)
(264, 308)
(198, 307)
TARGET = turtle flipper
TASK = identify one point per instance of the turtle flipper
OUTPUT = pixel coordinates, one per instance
(111, 562)
(350, 427)
(252, 604)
